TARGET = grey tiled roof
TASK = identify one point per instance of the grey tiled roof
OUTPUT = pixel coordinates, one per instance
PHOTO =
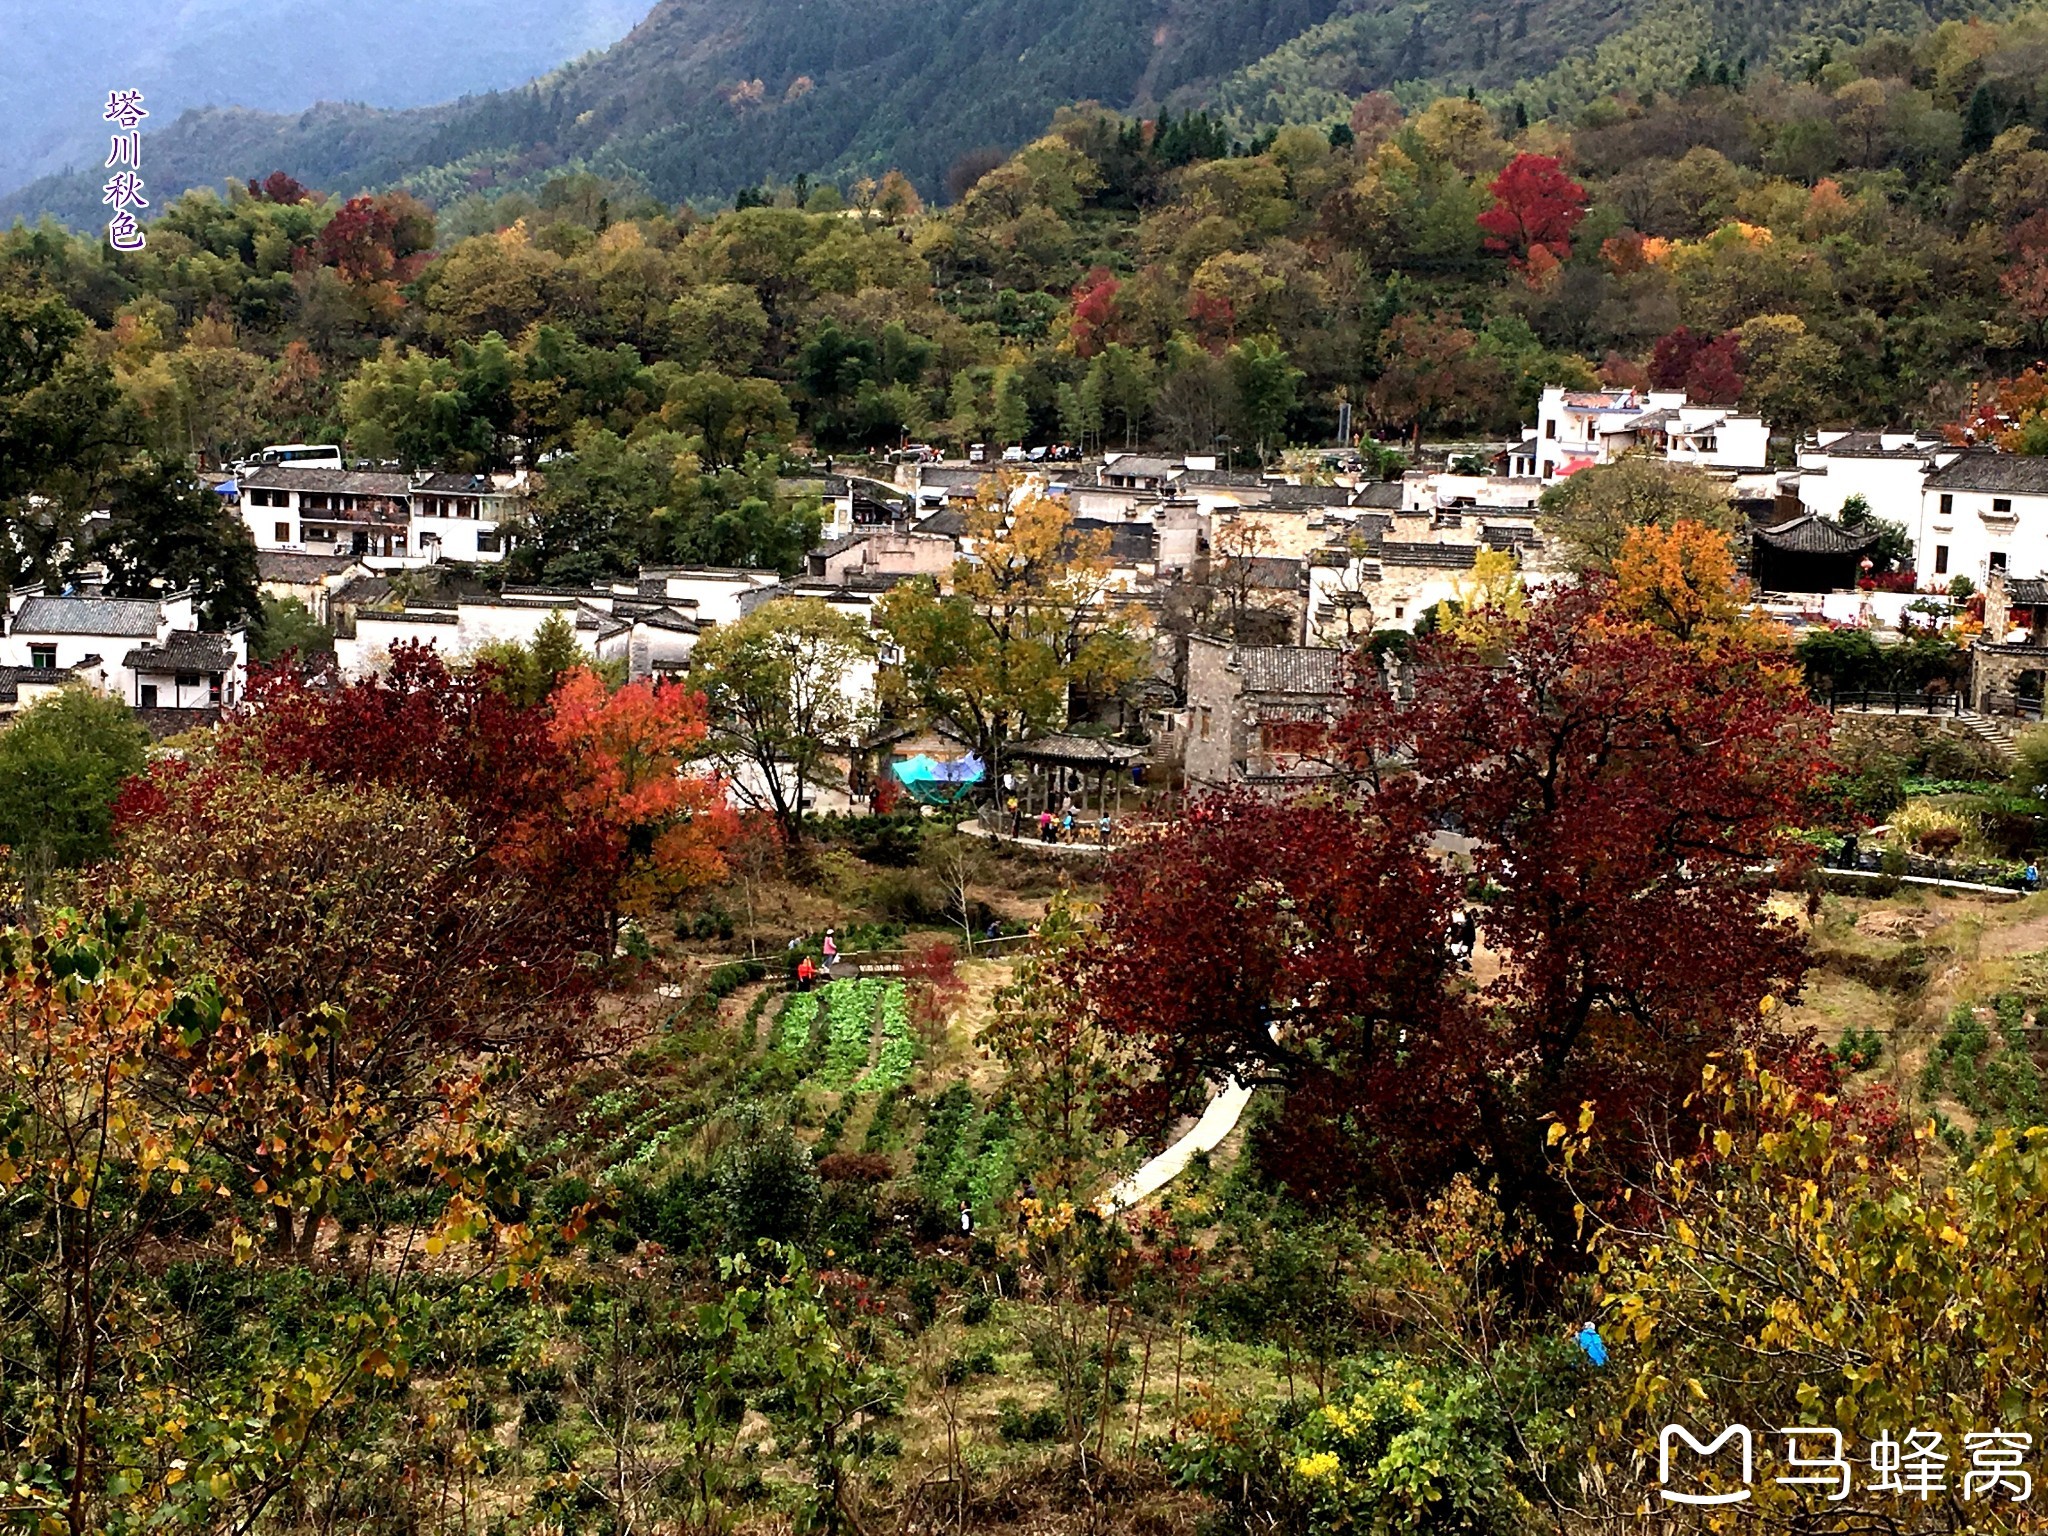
(1290, 669)
(345, 482)
(183, 650)
(1132, 466)
(406, 616)
(1870, 445)
(1449, 557)
(291, 566)
(1814, 535)
(1984, 469)
(123, 617)
(1076, 749)
(1294, 496)
(12, 678)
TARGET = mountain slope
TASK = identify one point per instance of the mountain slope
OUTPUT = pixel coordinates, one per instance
(1549, 53)
(279, 55)
(706, 96)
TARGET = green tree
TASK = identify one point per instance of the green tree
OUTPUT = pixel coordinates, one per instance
(60, 421)
(595, 516)
(1020, 627)
(1789, 373)
(62, 763)
(529, 672)
(165, 528)
(785, 690)
(1118, 389)
(1589, 514)
(1267, 388)
(729, 418)
(286, 626)
(1009, 414)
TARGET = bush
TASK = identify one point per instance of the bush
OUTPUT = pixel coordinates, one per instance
(539, 1410)
(767, 1188)
(910, 895)
(1859, 1049)
(726, 979)
(1018, 1427)
(855, 1168)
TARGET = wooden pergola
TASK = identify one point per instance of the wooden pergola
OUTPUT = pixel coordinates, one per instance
(1065, 766)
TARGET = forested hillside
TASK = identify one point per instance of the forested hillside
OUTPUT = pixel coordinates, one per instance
(705, 97)
(1861, 243)
(271, 55)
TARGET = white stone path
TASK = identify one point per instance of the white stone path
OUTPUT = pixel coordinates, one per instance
(1206, 1135)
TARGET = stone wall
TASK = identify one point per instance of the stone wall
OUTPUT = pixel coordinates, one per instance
(1911, 736)
(1999, 675)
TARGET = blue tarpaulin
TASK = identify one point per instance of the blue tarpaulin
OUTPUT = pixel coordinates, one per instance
(935, 783)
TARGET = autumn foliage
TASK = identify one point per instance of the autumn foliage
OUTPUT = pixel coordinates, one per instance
(584, 795)
(1095, 320)
(1536, 206)
(1707, 368)
(1620, 785)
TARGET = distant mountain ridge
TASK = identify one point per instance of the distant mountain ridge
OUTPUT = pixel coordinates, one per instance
(704, 97)
(274, 55)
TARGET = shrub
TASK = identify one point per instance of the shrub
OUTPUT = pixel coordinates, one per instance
(540, 1409)
(1038, 1425)
(855, 1168)
(767, 1188)
(724, 980)
(909, 895)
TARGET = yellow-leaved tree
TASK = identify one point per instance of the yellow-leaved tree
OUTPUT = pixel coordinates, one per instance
(1801, 1268)
(1028, 617)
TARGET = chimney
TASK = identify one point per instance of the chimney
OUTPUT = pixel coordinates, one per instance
(1997, 608)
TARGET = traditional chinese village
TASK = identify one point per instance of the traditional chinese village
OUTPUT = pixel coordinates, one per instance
(912, 766)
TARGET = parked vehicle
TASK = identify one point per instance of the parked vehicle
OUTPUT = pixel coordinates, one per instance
(297, 455)
(977, 453)
(1013, 454)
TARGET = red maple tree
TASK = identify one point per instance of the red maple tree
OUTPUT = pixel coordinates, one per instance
(1708, 369)
(1535, 204)
(587, 795)
(1096, 319)
(1619, 790)
(643, 826)
(277, 187)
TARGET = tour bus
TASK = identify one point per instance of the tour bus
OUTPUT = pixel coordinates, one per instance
(297, 455)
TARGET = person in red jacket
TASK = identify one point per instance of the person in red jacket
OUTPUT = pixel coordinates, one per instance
(804, 972)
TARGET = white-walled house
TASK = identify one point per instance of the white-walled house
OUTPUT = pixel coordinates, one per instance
(461, 517)
(1982, 511)
(1576, 428)
(392, 521)
(459, 630)
(714, 594)
(147, 652)
(1887, 469)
